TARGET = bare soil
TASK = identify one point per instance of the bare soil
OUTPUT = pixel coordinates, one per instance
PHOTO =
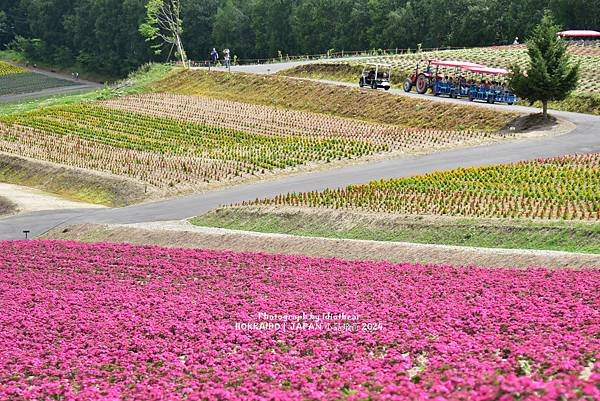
(27, 199)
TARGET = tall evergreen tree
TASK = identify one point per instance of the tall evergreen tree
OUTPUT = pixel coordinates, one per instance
(551, 75)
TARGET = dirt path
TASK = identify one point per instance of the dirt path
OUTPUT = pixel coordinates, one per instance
(32, 200)
(184, 235)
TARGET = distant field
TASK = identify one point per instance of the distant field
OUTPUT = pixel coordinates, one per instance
(586, 98)
(27, 82)
(499, 56)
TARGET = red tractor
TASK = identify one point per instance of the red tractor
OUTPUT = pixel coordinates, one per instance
(422, 79)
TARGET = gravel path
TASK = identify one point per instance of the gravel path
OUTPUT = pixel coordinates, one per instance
(33, 200)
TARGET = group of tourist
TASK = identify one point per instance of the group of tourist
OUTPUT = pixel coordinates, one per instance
(464, 84)
(214, 57)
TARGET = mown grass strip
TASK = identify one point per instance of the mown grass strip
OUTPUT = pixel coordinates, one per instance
(511, 234)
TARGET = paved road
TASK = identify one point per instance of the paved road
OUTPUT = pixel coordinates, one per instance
(584, 139)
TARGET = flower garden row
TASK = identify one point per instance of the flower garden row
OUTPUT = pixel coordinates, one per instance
(272, 121)
(164, 173)
(557, 188)
(209, 153)
(86, 322)
(189, 142)
(9, 69)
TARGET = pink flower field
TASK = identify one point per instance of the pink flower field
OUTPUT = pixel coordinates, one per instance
(112, 322)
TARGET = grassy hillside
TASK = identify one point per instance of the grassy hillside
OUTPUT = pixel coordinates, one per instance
(29, 82)
(335, 100)
(140, 81)
(69, 183)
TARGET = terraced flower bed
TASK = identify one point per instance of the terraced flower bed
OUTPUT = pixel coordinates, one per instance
(28, 82)
(335, 100)
(273, 121)
(162, 151)
(87, 322)
(9, 69)
(557, 188)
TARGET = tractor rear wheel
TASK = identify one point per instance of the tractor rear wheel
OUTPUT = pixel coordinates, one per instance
(407, 86)
(422, 84)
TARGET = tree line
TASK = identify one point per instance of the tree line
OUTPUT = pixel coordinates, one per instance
(103, 35)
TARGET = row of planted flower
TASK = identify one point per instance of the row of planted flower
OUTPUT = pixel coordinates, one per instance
(231, 152)
(556, 188)
(84, 322)
(9, 69)
(273, 121)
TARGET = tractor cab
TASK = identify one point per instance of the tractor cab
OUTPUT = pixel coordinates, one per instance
(421, 78)
(375, 76)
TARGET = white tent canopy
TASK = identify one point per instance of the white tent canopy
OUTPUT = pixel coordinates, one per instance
(579, 34)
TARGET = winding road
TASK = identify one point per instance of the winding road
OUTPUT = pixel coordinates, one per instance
(584, 139)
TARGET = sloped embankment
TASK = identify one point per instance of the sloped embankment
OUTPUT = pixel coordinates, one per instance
(341, 101)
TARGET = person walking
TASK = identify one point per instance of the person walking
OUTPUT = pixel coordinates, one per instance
(214, 56)
(227, 58)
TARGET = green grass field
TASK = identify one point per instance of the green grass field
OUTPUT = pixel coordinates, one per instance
(28, 82)
(487, 233)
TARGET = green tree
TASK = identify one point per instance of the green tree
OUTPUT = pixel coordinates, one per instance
(551, 75)
(163, 22)
(233, 30)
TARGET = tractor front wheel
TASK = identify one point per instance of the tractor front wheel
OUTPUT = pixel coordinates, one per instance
(407, 86)
(422, 84)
